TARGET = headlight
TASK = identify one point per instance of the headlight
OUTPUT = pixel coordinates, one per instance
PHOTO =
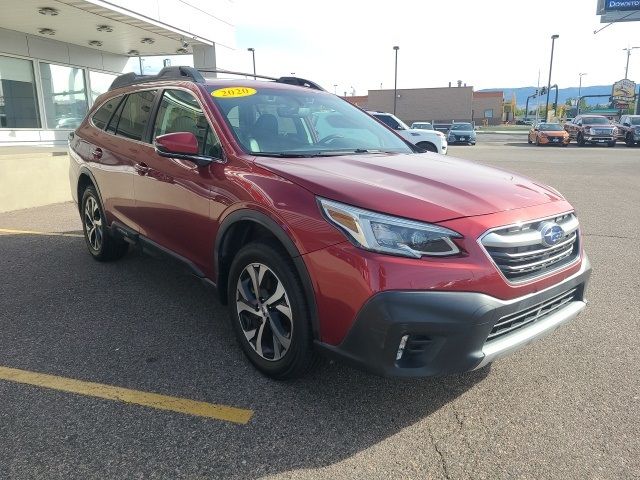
(387, 234)
(592, 131)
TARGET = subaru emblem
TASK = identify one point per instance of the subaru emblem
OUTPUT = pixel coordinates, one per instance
(551, 233)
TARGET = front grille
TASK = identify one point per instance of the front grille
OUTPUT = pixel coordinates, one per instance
(520, 254)
(602, 131)
(530, 315)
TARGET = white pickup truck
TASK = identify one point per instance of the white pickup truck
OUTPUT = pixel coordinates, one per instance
(430, 140)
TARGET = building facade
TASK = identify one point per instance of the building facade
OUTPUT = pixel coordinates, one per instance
(488, 107)
(58, 56)
(439, 105)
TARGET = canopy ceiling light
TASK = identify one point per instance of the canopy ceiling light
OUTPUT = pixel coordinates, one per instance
(134, 53)
(105, 28)
(46, 31)
(147, 41)
(95, 43)
(52, 12)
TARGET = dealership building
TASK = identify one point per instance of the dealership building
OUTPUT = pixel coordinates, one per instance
(57, 56)
(438, 105)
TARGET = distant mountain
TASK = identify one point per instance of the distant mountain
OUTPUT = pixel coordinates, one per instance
(563, 94)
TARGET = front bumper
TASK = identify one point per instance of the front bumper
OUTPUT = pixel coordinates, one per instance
(447, 331)
(599, 138)
(553, 140)
(462, 140)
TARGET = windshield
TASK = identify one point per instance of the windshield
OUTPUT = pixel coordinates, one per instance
(278, 122)
(595, 121)
(461, 126)
(550, 127)
(423, 126)
(634, 120)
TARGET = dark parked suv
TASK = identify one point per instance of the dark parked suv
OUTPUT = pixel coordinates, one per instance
(321, 228)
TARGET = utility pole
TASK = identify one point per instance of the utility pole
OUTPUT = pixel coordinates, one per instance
(395, 82)
(253, 56)
(579, 91)
(628, 50)
(546, 109)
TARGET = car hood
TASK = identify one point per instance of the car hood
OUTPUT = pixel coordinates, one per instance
(466, 133)
(596, 125)
(418, 132)
(427, 187)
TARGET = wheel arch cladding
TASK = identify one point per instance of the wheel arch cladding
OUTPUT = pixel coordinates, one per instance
(86, 179)
(244, 226)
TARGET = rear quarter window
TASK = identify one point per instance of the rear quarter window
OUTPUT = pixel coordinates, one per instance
(101, 117)
(134, 115)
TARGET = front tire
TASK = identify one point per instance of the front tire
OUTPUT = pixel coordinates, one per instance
(580, 140)
(611, 144)
(101, 244)
(429, 147)
(269, 313)
(628, 141)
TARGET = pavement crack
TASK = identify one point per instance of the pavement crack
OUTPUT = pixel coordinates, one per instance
(625, 237)
(443, 462)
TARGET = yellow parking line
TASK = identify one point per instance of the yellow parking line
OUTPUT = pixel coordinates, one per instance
(147, 399)
(30, 232)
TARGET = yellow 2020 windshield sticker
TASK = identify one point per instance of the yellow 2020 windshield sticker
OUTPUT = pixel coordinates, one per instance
(233, 92)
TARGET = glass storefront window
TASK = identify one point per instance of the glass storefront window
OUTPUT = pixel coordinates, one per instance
(100, 83)
(64, 94)
(18, 100)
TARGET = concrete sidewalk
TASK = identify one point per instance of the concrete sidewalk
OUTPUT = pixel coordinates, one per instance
(33, 176)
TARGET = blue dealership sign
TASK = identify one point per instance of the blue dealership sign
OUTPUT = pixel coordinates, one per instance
(618, 5)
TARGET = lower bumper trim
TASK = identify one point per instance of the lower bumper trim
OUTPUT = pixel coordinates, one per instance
(504, 346)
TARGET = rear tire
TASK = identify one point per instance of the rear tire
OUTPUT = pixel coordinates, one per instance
(269, 312)
(101, 244)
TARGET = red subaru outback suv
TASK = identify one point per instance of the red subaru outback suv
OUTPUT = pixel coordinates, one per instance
(321, 228)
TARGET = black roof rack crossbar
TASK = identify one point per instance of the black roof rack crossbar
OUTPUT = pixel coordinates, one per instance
(230, 72)
(167, 73)
(300, 82)
(195, 75)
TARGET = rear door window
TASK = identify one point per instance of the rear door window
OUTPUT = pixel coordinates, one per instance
(102, 116)
(134, 115)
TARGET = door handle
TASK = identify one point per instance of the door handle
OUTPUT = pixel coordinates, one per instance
(142, 168)
(96, 153)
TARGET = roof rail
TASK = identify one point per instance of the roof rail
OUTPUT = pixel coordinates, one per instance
(167, 73)
(195, 75)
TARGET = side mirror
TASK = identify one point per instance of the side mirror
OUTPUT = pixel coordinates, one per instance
(626, 124)
(182, 145)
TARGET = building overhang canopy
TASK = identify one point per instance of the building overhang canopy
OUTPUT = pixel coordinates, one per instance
(99, 25)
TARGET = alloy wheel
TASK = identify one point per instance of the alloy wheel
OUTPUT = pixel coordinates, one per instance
(93, 223)
(264, 311)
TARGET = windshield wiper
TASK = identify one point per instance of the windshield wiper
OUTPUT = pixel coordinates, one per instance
(325, 153)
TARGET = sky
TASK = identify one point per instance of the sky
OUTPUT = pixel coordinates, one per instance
(487, 44)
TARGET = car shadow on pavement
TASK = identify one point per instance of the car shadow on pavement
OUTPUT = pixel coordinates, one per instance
(144, 324)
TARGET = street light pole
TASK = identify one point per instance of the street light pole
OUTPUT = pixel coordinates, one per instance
(335, 88)
(253, 56)
(546, 109)
(628, 50)
(579, 91)
(395, 82)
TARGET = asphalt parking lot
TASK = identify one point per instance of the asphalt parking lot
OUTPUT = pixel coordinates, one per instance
(566, 407)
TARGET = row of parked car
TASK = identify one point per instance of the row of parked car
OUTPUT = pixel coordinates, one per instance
(588, 129)
(429, 137)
